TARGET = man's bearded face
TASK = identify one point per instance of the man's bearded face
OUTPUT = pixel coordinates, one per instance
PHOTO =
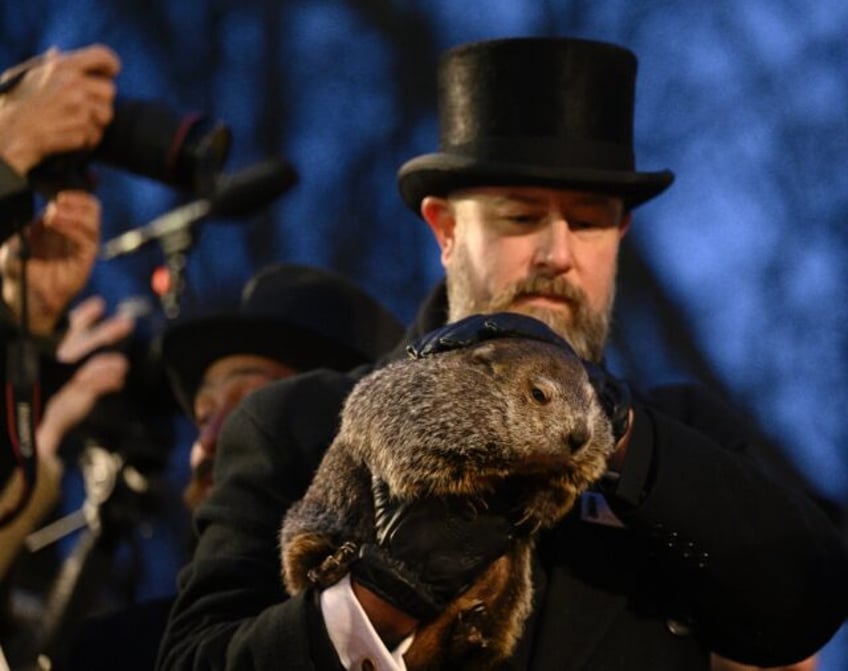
(570, 315)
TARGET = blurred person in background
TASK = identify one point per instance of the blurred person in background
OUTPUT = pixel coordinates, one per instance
(53, 103)
(291, 319)
(98, 375)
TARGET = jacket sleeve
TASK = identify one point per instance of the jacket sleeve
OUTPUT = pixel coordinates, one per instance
(232, 611)
(16, 200)
(760, 568)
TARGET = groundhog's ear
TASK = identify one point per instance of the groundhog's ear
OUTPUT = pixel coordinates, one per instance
(488, 357)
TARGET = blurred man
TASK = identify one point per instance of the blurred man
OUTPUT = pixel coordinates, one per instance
(291, 319)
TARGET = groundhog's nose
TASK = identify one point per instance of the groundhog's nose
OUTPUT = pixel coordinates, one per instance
(576, 439)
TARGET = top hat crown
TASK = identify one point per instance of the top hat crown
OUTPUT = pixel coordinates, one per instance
(552, 112)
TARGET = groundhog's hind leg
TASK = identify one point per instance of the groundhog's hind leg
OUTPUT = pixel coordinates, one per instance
(480, 628)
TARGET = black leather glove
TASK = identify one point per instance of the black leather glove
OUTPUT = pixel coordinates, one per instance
(614, 396)
(428, 551)
(477, 328)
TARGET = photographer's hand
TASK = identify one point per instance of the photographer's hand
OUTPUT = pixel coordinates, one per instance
(62, 103)
(63, 247)
(103, 373)
(88, 331)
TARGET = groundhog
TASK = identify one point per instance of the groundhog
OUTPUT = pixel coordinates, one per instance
(462, 422)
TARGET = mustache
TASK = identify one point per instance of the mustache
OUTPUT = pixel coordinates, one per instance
(555, 287)
(584, 329)
(198, 485)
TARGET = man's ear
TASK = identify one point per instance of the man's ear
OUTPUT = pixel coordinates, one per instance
(438, 214)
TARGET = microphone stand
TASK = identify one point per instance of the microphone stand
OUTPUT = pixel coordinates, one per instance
(175, 246)
(114, 491)
(234, 195)
(173, 231)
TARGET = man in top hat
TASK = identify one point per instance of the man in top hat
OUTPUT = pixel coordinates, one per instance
(528, 199)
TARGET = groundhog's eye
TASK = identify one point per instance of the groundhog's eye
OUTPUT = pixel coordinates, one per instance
(539, 395)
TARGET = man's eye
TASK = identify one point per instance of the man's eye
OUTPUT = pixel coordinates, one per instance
(524, 219)
(598, 223)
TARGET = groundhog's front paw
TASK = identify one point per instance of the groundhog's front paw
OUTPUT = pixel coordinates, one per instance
(310, 560)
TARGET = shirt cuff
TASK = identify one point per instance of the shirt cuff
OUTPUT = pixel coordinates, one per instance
(354, 637)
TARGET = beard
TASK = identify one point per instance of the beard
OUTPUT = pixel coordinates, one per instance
(585, 329)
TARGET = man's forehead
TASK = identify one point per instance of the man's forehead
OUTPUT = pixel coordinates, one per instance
(239, 365)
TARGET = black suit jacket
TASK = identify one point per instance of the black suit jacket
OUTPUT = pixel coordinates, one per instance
(715, 555)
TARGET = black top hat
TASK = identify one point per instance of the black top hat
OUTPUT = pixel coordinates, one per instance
(301, 316)
(554, 112)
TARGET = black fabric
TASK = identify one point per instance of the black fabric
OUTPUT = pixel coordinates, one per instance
(16, 201)
(715, 550)
(127, 640)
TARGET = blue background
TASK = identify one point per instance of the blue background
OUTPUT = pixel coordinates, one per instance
(735, 276)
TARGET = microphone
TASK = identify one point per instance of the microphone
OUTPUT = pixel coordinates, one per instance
(235, 195)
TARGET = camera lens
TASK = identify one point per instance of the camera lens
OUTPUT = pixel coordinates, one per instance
(150, 139)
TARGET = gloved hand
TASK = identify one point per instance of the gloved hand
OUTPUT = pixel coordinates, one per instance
(614, 396)
(477, 328)
(428, 551)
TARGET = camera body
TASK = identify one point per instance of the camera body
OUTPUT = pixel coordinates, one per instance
(147, 138)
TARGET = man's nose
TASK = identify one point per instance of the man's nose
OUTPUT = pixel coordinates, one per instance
(207, 439)
(554, 249)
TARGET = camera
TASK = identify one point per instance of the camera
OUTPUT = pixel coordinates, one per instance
(148, 138)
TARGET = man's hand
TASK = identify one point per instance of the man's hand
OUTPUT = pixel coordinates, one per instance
(102, 374)
(429, 551)
(480, 327)
(62, 103)
(87, 331)
(62, 250)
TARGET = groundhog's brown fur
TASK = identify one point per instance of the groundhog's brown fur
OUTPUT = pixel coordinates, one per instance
(461, 422)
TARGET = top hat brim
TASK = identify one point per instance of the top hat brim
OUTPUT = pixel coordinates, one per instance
(188, 349)
(439, 174)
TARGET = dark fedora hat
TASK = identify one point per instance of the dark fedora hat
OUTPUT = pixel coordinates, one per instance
(301, 316)
(555, 112)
